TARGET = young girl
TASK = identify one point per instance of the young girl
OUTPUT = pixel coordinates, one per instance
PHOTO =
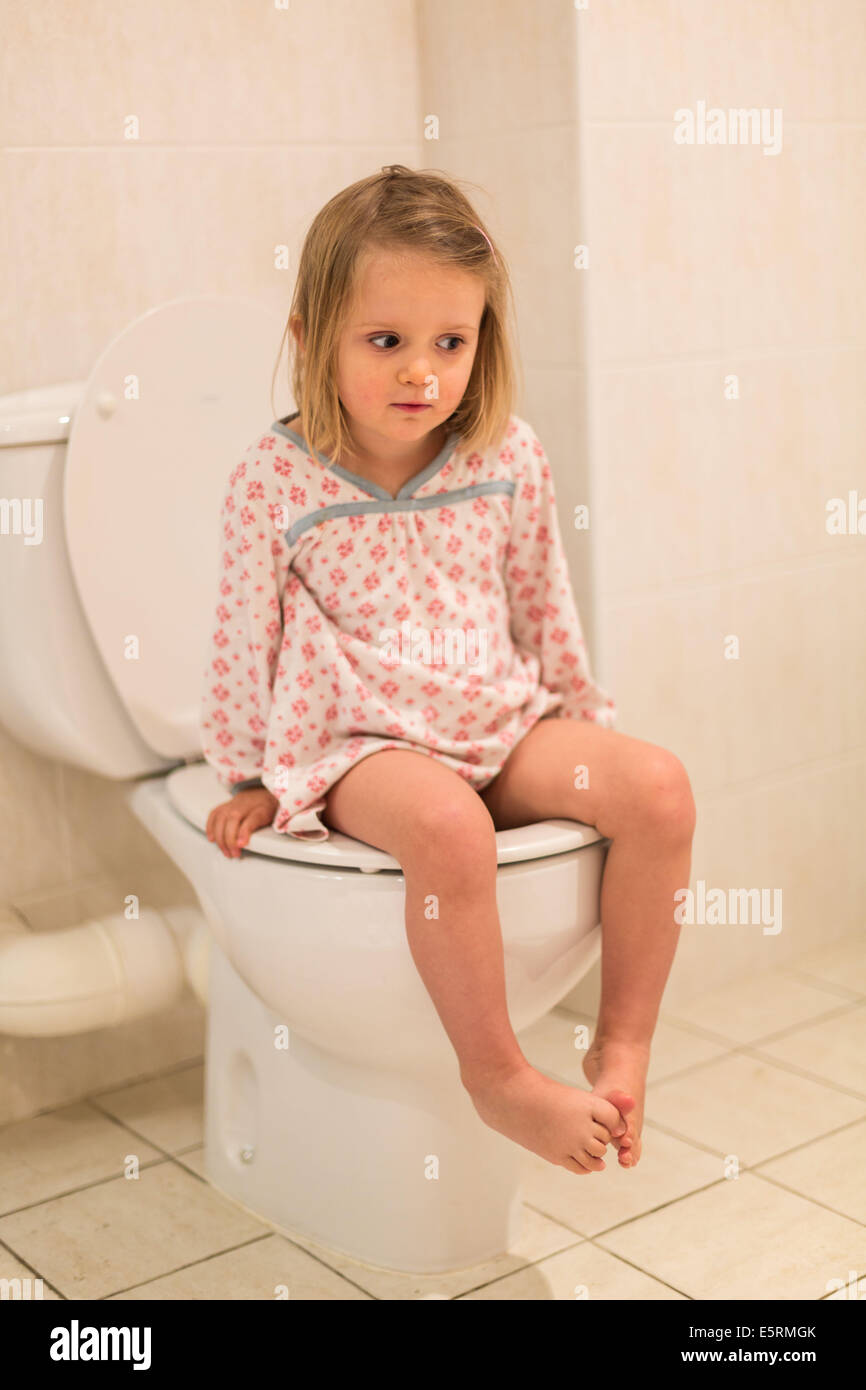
(405, 500)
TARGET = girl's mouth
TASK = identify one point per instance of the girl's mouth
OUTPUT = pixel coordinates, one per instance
(398, 406)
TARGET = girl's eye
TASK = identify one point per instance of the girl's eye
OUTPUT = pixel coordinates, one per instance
(451, 337)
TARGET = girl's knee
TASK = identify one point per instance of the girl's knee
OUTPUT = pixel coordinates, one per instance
(454, 835)
(665, 799)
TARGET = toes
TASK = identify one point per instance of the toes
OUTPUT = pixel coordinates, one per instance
(628, 1157)
(621, 1100)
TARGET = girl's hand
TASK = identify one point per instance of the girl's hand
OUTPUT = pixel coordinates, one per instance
(232, 823)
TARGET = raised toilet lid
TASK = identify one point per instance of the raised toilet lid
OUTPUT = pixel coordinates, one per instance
(194, 790)
(167, 413)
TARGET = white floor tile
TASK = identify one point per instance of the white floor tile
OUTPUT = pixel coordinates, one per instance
(668, 1169)
(831, 1050)
(743, 1239)
(584, 1273)
(63, 1150)
(270, 1269)
(168, 1110)
(749, 1108)
(103, 1239)
(830, 1171)
(757, 1007)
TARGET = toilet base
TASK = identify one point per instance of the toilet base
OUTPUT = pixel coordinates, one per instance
(389, 1168)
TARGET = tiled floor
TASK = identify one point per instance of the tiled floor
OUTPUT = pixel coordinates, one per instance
(751, 1184)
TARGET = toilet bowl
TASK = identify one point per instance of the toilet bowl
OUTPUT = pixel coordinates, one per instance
(333, 1103)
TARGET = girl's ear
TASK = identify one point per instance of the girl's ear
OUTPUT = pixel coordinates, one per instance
(297, 330)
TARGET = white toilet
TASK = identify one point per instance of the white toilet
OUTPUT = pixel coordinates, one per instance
(334, 1108)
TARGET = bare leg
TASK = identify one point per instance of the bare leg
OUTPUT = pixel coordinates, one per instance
(441, 833)
(639, 797)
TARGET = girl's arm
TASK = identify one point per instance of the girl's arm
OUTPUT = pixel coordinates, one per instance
(246, 637)
(544, 617)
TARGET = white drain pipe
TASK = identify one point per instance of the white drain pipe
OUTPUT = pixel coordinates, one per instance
(103, 972)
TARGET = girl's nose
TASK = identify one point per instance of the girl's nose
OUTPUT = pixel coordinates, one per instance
(417, 372)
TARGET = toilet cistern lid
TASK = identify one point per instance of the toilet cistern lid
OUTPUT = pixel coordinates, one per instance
(169, 409)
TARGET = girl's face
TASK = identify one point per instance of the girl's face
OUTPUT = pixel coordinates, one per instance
(411, 336)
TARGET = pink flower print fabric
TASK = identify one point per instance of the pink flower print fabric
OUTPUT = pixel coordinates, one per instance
(347, 621)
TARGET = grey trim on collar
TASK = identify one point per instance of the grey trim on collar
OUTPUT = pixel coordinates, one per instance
(395, 504)
(373, 489)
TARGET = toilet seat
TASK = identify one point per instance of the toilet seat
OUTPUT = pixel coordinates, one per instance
(195, 789)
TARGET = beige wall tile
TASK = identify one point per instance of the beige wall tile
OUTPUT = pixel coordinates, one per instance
(642, 63)
(528, 195)
(155, 224)
(476, 68)
(667, 675)
(32, 829)
(792, 442)
(291, 78)
(660, 473)
(659, 245)
(787, 694)
(793, 270)
(794, 834)
(42, 1073)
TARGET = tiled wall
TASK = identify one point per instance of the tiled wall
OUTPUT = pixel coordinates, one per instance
(706, 262)
(707, 513)
(712, 262)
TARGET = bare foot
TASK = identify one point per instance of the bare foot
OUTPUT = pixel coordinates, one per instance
(621, 1066)
(567, 1126)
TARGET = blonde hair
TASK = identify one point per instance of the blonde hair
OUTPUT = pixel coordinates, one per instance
(399, 209)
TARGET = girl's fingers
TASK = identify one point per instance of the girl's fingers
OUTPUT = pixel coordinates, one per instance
(254, 820)
(232, 825)
(231, 829)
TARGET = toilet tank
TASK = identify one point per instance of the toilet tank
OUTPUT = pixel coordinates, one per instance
(55, 694)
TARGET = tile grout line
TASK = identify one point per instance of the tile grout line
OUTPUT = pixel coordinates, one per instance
(27, 1265)
(837, 1011)
(82, 1187)
(242, 1245)
(753, 1169)
(806, 977)
(748, 1049)
(850, 999)
(528, 1264)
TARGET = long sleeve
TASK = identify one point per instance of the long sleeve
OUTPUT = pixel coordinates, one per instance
(246, 638)
(544, 617)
